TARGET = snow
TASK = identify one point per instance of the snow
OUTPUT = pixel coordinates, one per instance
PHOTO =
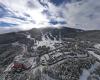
(57, 54)
(18, 58)
(27, 64)
(47, 42)
(95, 55)
(15, 43)
(86, 73)
(9, 67)
(46, 56)
(97, 46)
(66, 52)
(32, 61)
(46, 77)
(29, 36)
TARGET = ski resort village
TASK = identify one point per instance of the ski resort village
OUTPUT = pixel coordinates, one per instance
(62, 59)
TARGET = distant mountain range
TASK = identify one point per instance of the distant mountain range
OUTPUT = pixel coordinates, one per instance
(37, 33)
(64, 32)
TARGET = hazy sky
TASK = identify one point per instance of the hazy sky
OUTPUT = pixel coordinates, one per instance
(26, 14)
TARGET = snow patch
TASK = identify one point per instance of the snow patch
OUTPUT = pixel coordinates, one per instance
(86, 73)
(29, 36)
(15, 43)
(9, 68)
(47, 42)
(97, 46)
(94, 54)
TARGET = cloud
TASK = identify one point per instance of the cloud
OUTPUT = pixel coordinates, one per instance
(82, 14)
(23, 12)
(27, 14)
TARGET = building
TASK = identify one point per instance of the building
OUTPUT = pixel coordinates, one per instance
(21, 65)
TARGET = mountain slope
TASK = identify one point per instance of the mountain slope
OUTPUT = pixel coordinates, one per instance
(93, 35)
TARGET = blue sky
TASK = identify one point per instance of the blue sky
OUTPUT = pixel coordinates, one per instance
(59, 2)
(27, 14)
(4, 24)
